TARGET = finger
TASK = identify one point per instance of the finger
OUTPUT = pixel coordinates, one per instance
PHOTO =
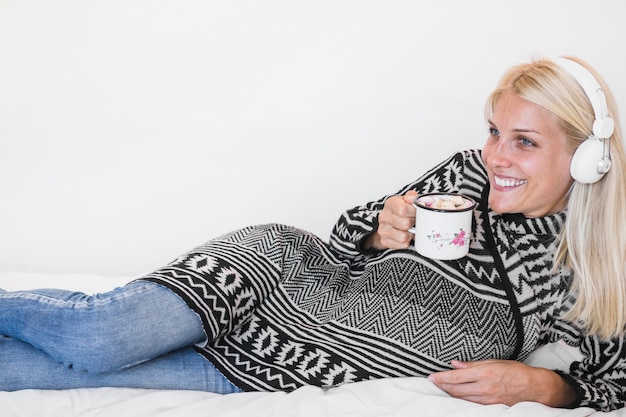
(457, 377)
(475, 391)
(462, 365)
(453, 377)
(405, 216)
(410, 196)
(402, 206)
(462, 390)
(400, 217)
(394, 238)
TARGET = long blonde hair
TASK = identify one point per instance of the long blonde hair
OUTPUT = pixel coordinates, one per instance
(593, 240)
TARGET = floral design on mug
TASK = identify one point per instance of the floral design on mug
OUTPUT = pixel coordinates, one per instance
(458, 239)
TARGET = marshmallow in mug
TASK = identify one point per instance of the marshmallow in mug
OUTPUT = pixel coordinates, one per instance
(455, 202)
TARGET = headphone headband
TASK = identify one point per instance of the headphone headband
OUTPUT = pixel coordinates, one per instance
(603, 125)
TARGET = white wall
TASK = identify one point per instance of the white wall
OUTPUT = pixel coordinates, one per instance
(131, 131)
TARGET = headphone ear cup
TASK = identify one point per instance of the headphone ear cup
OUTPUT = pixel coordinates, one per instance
(586, 160)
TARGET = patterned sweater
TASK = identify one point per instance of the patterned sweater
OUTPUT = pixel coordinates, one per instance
(282, 308)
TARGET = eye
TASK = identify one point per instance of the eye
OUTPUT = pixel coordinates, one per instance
(526, 142)
(494, 132)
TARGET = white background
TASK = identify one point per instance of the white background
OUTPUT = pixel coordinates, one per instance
(132, 131)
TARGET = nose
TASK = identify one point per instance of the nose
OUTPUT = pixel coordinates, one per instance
(498, 154)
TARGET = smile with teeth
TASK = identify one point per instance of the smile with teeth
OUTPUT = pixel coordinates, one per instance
(508, 182)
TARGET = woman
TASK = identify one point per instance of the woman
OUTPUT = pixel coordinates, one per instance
(274, 308)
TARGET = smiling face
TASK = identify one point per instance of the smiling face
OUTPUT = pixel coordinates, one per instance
(527, 159)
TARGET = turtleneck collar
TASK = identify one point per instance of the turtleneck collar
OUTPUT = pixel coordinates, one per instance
(519, 224)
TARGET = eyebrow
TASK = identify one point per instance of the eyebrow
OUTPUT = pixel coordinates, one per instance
(517, 130)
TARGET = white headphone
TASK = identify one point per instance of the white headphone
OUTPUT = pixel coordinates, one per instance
(592, 157)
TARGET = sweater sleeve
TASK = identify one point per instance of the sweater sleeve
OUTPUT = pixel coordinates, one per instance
(357, 223)
(600, 378)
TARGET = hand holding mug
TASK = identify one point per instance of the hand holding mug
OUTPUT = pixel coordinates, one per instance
(394, 222)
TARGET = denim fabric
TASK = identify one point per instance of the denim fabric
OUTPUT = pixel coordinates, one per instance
(140, 335)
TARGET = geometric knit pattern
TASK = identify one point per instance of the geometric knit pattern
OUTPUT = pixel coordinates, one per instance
(282, 308)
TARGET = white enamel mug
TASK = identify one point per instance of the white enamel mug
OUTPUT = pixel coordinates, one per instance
(443, 228)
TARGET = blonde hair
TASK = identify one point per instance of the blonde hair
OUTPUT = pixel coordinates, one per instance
(593, 240)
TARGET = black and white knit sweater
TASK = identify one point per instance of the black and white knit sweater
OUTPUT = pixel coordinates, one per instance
(282, 308)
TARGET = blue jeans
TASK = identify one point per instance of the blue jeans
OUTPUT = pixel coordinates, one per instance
(139, 336)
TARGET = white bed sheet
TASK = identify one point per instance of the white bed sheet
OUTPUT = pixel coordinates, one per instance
(390, 397)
